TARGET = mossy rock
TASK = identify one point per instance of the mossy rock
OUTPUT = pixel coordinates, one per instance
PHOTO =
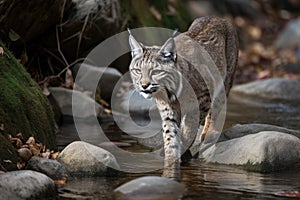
(8, 154)
(23, 107)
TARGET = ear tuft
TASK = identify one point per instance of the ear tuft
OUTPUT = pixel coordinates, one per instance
(168, 50)
(136, 47)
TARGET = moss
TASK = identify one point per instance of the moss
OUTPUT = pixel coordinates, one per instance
(8, 154)
(23, 107)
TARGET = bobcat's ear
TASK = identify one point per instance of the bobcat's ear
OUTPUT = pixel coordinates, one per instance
(168, 50)
(136, 47)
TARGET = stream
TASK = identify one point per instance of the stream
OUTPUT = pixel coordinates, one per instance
(202, 181)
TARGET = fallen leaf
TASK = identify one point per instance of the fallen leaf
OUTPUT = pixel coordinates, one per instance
(55, 155)
(21, 165)
(60, 182)
(20, 136)
(30, 140)
(69, 81)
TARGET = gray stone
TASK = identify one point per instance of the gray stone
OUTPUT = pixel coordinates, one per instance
(85, 159)
(240, 130)
(274, 88)
(26, 184)
(150, 187)
(264, 151)
(90, 75)
(290, 36)
(24, 154)
(84, 105)
(51, 168)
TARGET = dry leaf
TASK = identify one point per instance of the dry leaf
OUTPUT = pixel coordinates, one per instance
(60, 182)
(46, 154)
(21, 165)
(30, 140)
(20, 136)
(69, 81)
(35, 150)
(55, 155)
(18, 143)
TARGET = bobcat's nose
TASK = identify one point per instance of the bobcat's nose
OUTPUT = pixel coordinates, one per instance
(145, 85)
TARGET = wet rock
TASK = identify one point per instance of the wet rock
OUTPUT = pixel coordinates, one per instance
(84, 105)
(24, 154)
(240, 130)
(105, 77)
(26, 184)
(51, 168)
(85, 159)
(150, 187)
(274, 88)
(264, 151)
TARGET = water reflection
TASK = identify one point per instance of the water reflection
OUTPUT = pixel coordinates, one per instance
(203, 181)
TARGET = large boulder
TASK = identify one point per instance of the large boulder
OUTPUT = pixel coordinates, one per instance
(82, 158)
(264, 151)
(240, 130)
(23, 107)
(26, 184)
(274, 88)
(150, 187)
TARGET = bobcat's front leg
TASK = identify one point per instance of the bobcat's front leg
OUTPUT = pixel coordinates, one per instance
(171, 132)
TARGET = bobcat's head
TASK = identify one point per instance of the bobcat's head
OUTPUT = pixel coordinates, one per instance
(153, 69)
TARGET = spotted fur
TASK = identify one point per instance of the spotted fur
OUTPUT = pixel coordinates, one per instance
(159, 72)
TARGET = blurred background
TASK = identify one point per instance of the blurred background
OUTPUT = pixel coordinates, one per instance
(49, 37)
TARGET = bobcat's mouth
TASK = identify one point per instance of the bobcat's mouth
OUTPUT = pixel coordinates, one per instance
(149, 91)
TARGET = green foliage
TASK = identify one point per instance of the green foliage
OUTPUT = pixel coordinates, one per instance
(138, 13)
(23, 107)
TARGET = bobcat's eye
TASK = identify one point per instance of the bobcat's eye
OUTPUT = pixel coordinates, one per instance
(156, 72)
(136, 71)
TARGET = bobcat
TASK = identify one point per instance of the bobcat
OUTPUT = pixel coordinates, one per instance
(161, 73)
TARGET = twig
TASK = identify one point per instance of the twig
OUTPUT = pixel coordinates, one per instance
(81, 34)
(58, 48)
(55, 56)
(62, 14)
(61, 72)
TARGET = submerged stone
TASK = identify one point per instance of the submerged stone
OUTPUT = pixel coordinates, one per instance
(150, 187)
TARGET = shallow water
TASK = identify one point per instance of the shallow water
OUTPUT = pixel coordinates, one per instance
(202, 181)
